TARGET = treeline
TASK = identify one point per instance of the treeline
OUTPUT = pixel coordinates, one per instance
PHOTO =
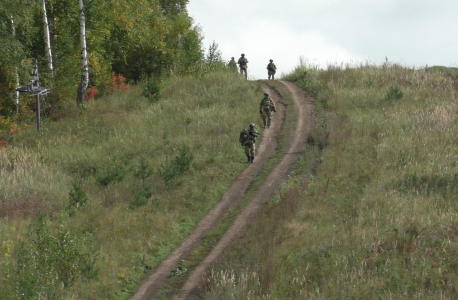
(138, 39)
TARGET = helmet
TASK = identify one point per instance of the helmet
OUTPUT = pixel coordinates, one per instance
(232, 57)
(243, 54)
(252, 125)
(271, 60)
(266, 93)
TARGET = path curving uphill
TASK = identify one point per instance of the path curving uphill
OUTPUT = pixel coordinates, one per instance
(303, 105)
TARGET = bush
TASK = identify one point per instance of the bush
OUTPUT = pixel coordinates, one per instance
(111, 176)
(141, 197)
(152, 90)
(185, 159)
(168, 171)
(183, 162)
(394, 93)
(46, 260)
(77, 196)
(143, 171)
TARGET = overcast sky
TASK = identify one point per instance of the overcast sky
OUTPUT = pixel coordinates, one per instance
(411, 32)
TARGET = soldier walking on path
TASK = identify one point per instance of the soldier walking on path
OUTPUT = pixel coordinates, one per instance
(232, 65)
(248, 140)
(266, 107)
(243, 64)
(271, 69)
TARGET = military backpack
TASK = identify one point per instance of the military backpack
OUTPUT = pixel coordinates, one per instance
(244, 137)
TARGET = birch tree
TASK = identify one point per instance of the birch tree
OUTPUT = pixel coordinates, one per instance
(47, 38)
(84, 65)
(16, 96)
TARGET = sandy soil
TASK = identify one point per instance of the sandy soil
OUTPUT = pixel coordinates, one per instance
(303, 105)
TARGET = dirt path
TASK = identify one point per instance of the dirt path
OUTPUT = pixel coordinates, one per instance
(304, 108)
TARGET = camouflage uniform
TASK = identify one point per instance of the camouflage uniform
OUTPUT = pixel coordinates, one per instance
(265, 109)
(249, 144)
(232, 65)
(243, 63)
(250, 148)
(271, 69)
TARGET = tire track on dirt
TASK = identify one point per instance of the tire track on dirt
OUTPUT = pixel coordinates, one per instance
(304, 108)
(152, 284)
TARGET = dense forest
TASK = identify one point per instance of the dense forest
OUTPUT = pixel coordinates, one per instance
(135, 39)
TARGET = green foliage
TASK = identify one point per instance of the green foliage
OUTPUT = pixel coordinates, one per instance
(306, 78)
(444, 70)
(185, 160)
(214, 57)
(180, 270)
(77, 196)
(141, 197)
(148, 38)
(152, 90)
(89, 268)
(168, 171)
(143, 170)
(394, 93)
(112, 175)
(373, 212)
(38, 174)
(48, 259)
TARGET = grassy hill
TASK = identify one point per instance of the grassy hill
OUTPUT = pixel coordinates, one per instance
(89, 206)
(371, 210)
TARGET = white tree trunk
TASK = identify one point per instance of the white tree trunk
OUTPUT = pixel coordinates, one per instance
(47, 37)
(84, 65)
(13, 29)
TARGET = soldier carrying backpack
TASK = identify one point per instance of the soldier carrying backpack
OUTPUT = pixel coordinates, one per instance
(248, 140)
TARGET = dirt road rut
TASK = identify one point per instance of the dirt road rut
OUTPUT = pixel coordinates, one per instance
(303, 105)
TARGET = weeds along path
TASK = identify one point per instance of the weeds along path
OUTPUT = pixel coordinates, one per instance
(305, 121)
(150, 287)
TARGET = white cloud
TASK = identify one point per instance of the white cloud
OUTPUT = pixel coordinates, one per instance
(414, 32)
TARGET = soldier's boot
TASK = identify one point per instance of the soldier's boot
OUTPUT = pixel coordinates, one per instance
(252, 159)
(248, 159)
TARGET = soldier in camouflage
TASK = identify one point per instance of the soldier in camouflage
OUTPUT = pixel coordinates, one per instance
(271, 69)
(243, 64)
(266, 107)
(249, 141)
(232, 65)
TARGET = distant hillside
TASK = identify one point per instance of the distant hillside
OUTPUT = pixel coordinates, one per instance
(445, 70)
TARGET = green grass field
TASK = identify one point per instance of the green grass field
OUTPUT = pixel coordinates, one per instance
(371, 209)
(117, 186)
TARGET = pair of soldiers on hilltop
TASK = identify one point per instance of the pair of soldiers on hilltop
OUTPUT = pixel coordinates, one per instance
(248, 137)
(243, 65)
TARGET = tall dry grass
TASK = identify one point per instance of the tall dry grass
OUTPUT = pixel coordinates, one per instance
(116, 133)
(374, 215)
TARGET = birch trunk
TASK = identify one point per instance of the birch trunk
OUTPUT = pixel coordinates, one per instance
(84, 65)
(48, 52)
(13, 29)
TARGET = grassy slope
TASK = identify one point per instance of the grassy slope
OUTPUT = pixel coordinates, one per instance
(204, 114)
(371, 211)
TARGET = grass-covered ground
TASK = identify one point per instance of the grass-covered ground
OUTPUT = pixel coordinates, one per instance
(98, 199)
(371, 210)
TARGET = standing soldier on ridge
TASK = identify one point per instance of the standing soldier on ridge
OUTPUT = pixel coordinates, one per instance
(266, 107)
(243, 63)
(232, 65)
(271, 69)
(247, 139)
